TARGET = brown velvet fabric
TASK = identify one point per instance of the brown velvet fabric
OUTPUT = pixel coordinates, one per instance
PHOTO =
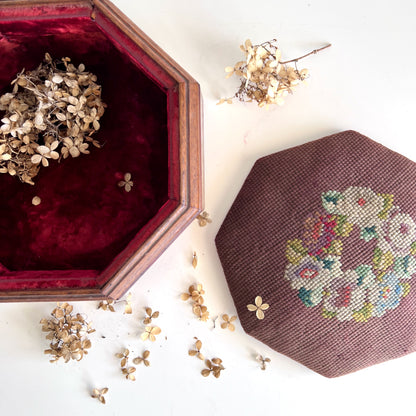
(280, 192)
(84, 219)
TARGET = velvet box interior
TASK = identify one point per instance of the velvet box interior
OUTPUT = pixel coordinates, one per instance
(85, 221)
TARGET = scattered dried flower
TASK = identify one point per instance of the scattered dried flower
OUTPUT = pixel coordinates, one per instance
(36, 200)
(99, 394)
(228, 322)
(214, 366)
(195, 293)
(264, 77)
(129, 373)
(124, 356)
(150, 315)
(194, 260)
(128, 308)
(47, 116)
(203, 219)
(107, 305)
(127, 184)
(197, 351)
(201, 312)
(150, 333)
(67, 333)
(143, 359)
(263, 361)
(258, 307)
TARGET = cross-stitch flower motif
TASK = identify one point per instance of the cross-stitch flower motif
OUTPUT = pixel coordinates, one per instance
(390, 292)
(309, 274)
(345, 296)
(397, 234)
(372, 288)
(361, 206)
(319, 233)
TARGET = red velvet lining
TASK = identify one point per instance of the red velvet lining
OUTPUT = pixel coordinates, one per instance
(85, 220)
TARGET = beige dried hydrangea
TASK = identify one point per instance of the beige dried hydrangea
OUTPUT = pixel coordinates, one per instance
(265, 78)
(51, 114)
(67, 333)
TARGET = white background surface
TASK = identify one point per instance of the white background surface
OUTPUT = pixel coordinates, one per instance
(364, 82)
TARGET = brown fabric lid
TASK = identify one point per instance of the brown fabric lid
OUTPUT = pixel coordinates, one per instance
(325, 234)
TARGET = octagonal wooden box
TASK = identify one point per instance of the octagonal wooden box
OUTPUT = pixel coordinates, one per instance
(89, 239)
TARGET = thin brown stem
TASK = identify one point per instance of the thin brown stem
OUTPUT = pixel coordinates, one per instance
(304, 56)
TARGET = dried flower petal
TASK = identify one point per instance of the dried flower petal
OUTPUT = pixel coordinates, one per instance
(194, 260)
(99, 394)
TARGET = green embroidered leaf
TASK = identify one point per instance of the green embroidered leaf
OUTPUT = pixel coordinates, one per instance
(406, 288)
(310, 298)
(388, 204)
(405, 266)
(343, 227)
(295, 251)
(328, 314)
(368, 233)
(413, 249)
(335, 248)
(382, 261)
(364, 314)
(330, 200)
(365, 275)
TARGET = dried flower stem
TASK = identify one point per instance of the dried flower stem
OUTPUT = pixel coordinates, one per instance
(308, 54)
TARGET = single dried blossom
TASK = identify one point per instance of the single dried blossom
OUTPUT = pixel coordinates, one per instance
(129, 373)
(195, 293)
(263, 360)
(67, 333)
(99, 394)
(228, 322)
(36, 200)
(194, 260)
(201, 311)
(214, 367)
(127, 184)
(203, 219)
(107, 305)
(150, 333)
(124, 356)
(197, 351)
(51, 114)
(150, 315)
(259, 307)
(143, 359)
(264, 77)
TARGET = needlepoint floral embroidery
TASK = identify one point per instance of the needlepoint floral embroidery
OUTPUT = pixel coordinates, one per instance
(371, 289)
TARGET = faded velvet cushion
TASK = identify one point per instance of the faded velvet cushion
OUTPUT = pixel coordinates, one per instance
(325, 234)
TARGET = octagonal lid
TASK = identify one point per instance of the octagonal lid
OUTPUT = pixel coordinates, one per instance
(325, 234)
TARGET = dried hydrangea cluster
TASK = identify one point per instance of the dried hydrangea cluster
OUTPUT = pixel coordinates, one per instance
(51, 113)
(264, 77)
(67, 333)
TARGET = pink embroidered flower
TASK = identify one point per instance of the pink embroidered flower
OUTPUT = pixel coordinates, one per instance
(397, 234)
(309, 274)
(361, 206)
(319, 233)
(345, 296)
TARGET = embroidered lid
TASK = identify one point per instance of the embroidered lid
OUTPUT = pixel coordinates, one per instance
(325, 234)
